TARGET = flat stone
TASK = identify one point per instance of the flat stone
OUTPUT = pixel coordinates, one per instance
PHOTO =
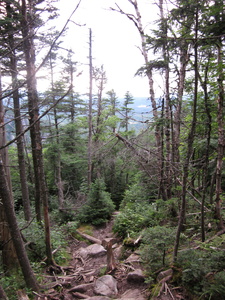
(106, 286)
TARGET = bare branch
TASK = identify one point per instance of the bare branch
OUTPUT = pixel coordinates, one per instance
(37, 120)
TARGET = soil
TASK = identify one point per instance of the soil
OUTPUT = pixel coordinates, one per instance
(85, 271)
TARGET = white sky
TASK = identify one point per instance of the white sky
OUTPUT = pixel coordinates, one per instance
(115, 42)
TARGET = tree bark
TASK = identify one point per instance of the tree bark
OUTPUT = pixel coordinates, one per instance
(9, 257)
(58, 169)
(90, 111)
(18, 121)
(190, 141)
(6, 197)
(221, 138)
(41, 197)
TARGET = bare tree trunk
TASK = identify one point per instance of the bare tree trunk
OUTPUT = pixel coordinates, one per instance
(9, 257)
(137, 20)
(18, 121)
(58, 169)
(165, 51)
(221, 138)
(90, 111)
(207, 146)
(35, 133)
(190, 141)
(6, 197)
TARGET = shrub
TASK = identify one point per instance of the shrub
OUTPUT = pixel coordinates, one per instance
(34, 234)
(134, 218)
(203, 272)
(155, 249)
(99, 206)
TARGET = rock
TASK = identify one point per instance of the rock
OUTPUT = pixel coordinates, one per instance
(106, 286)
(98, 298)
(94, 250)
(165, 274)
(82, 288)
(136, 276)
(133, 258)
(132, 295)
(118, 250)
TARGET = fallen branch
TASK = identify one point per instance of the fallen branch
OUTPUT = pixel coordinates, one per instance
(89, 237)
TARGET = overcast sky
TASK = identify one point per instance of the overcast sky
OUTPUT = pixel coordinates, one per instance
(115, 42)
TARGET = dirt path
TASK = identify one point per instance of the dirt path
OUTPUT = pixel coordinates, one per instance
(77, 281)
(95, 266)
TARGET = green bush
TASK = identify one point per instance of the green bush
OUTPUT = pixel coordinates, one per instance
(14, 282)
(99, 206)
(156, 248)
(34, 234)
(203, 272)
(137, 193)
(215, 289)
(134, 218)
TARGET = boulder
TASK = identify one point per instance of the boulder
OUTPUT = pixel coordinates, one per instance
(136, 276)
(132, 295)
(106, 286)
(94, 250)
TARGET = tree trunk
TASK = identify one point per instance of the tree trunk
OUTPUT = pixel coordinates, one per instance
(207, 146)
(18, 121)
(35, 134)
(90, 112)
(9, 258)
(221, 138)
(58, 173)
(7, 201)
(190, 141)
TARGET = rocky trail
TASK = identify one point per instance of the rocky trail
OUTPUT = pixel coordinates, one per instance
(99, 270)
(102, 269)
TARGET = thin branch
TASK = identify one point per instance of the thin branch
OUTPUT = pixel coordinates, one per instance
(47, 55)
(37, 120)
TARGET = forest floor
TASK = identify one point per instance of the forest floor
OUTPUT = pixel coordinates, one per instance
(77, 280)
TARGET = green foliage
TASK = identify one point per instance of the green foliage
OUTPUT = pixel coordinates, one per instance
(203, 272)
(67, 214)
(134, 218)
(34, 234)
(14, 282)
(136, 213)
(216, 288)
(71, 227)
(99, 206)
(137, 193)
(155, 250)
